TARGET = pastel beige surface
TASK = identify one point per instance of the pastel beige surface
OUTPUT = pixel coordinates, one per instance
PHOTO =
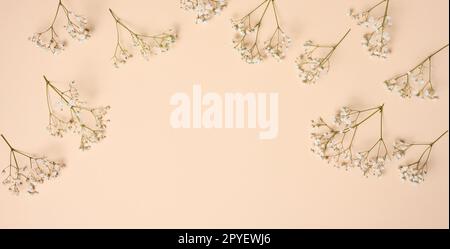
(147, 175)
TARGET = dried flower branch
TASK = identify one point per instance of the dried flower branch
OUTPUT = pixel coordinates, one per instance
(76, 26)
(147, 44)
(249, 48)
(33, 171)
(417, 81)
(335, 143)
(78, 120)
(204, 9)
(312, 67)
(377, 40)
(414, 172)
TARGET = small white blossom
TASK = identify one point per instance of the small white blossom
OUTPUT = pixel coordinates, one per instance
(277, 45)
(400, 148)
(345, 117)
(152, 45)
(249, 53)
(311, 66)
(374, 166)
(77, 27)
(412, 173)
(416, 171)
(205, 10)
(53, 44)
(376, 41)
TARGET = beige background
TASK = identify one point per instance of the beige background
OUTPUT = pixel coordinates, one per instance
(147, 175)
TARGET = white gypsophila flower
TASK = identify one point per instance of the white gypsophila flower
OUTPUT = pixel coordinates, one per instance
(247, 37)
(121, 57)
(335, 143)
(76, 26)
(152, 45)
(400, 148)
(53, 44)
(147, 45)
(277, 45)
(311, 66)
(417, 82)
(205, 10)
(345, 117)
(373, 166)
(24, 171)
(89, 123)
(249, 53)
(416, 171)
(376, 41)
(412, 173)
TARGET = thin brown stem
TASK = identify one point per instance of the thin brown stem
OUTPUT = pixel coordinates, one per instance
(260, 21)
(439, 138)
(367, 118)
(255, 9)
(276, 14)
(429, 57)
(342, 39)
(373, 7)
(118, 21)
(6, 141)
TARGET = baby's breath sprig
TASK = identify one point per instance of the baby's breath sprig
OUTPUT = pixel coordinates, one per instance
(249, 48)
(377, 40)
(335, 143)
(416, 171)
(147, 44)
(417, 81)
(310, 66)
(27, 173)
(76, 26)
(204, 9)
(89, 123)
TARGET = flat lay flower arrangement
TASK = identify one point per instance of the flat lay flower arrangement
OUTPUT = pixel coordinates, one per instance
(333, 141)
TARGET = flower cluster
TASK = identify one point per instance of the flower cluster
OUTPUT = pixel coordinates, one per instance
(76, 26)
(377, 40)
(146, 44)
(205, 9)
(416, 171)
(77, 29)
(68, 113)
(335, 143)
(416, 82)
(34, 170)
(312, 67)
(249, 48)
